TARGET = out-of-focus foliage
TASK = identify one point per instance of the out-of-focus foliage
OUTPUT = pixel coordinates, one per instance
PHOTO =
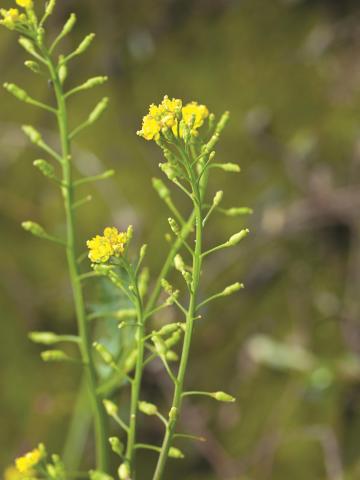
(287, 346)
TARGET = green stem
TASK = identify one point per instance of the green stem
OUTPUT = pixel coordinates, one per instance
(84, 333)
(136, 384)
(179, 385)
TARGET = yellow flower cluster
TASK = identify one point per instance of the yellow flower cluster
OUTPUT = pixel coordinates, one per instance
(12, 473)
(26, 463)
(112, 243)
(171, 114)
(12, 16)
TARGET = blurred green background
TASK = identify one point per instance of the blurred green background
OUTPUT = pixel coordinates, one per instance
(287, 346)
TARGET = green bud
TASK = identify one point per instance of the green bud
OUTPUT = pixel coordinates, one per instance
(171, 356)
(32, 134)
(217, 198)
(130, 361)
(228, 167)
(173, 414)
(34, 229)
(63, 73)
(144, 278)
(110, 407)
(98, 475)
(104, 353)
(159, 344)
(125, 314)
(173, 340)
(179, 263)
(18, 92)
(33, 66)
(27, 45)
(50, 7)
(174, 226)
(237, 237)
(161, 188)
(234, 211)
(93, 82)
(175, 453)
(148, 408)
(45, 338)
(142, 251)
(98, 110)
(223, 397)
(167, 286)
(45, 168)
(85, 44)
(235, 287)
(169, 328)
(116, 446)
(124, 471)
(69, 25)
(54, 356)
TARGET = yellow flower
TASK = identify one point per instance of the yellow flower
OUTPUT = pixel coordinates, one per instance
(150, 128)
(112, 243)
(198, 112)
(117, 239)
(25, 3)
(26, 463)
(11, 17)
(12, 473)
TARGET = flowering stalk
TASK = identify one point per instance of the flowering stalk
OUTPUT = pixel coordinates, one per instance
(32, 40)
(189, 158)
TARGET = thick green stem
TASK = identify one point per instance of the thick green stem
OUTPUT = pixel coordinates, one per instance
(84, 333)
(179, 386)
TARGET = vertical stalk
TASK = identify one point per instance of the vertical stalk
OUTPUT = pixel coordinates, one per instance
(136, 385)
(84, 333)
(179, 386)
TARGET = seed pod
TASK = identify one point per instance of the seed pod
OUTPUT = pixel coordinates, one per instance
(85, 44)
(18, 92)
(124, 471)
(174, 226)
(175, 453)
(217, 198)
(44, 338)
(110, 407)
(69, 25)
(237, 237)
(234, 211)
(223, 397)
(161, 188)
(34, 228)
(169, 328)
(159, 345)
(116, 445)
(32, 133)
(171, 356)
(98, 110)
(229, 167)
(54, 356)
(173, 340)
(232, 288)
(45, 168)
(27, 45)
(33, 66)
(148, 408)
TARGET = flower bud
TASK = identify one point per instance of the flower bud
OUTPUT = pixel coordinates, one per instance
(159, 344)
(142, 251)
(33, 66)
(167, 286)
(217, 198)
(223, 397)
(45, 338)
(237, 237)
(54, 356)
(104, 354)
(179, 263)
(85, 44)
(173, 414)
(32, 133)
(50, 7)
(63, 73)
(161, 188)
(27, 45)
(171, 356)
(148, 408)
(69, 25)
(169, 328)
(98, 475)
(126, 313)
(175, 453)
(229, 167)
(124, 471)
(18, 92)
(98, 110)
(232, 289)
(34, 228)
(116, 445)
(45, 168)
(110, 407)
(234, 211)
(93, 82)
